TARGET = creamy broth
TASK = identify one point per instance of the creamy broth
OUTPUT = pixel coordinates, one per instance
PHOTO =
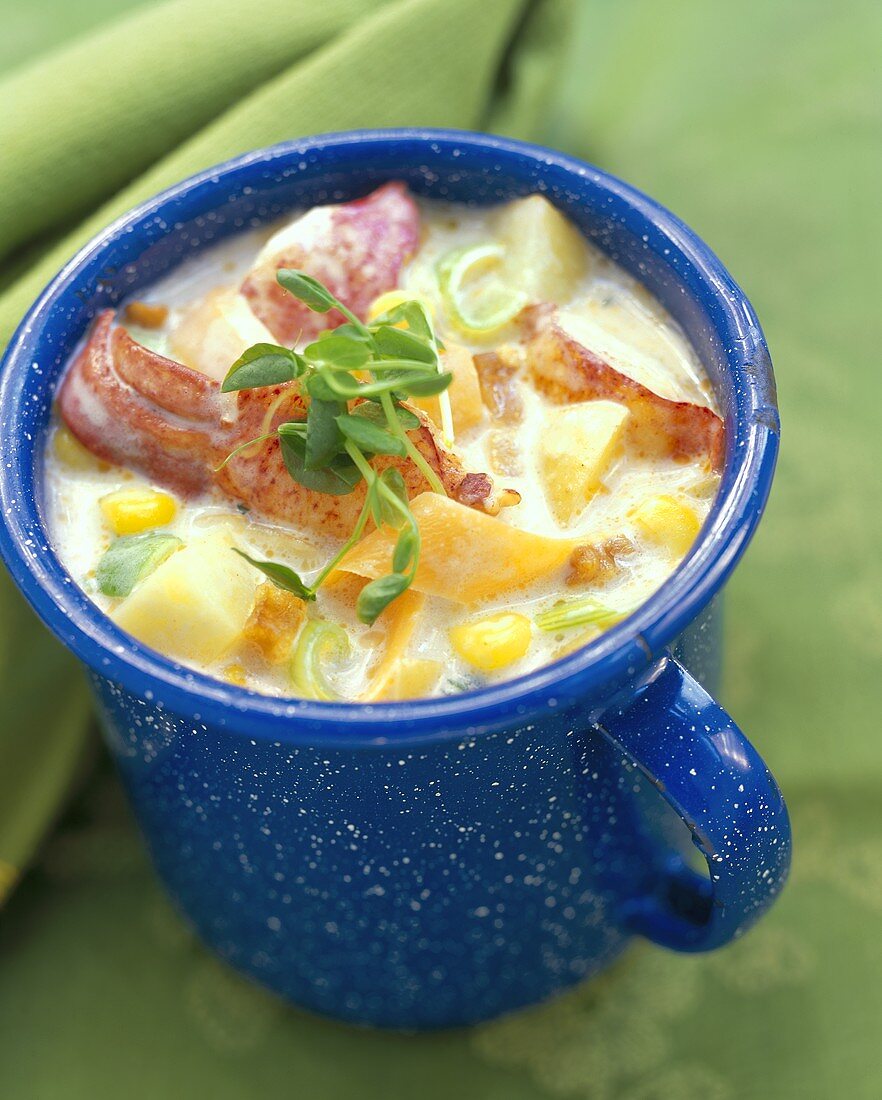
(637, 542)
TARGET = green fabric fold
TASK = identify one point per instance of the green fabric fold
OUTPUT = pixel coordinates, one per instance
(426, 62)
(759, 124)
(89, 118)
(171, 90)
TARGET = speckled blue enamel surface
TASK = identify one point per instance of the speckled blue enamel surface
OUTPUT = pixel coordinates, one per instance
(405, 887)
(437, 862)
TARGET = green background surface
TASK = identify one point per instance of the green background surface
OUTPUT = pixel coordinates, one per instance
(761, 125)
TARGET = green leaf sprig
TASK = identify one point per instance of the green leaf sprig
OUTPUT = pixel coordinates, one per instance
(131, 558)
(397, 356)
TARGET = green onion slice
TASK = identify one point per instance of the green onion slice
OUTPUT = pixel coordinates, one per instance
(476, 298)
(319, 644)
(572, 613)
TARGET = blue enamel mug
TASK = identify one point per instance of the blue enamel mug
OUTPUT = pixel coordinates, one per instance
(441, 861)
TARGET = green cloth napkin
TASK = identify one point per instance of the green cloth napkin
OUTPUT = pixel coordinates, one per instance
(207, 72)
(760, 125)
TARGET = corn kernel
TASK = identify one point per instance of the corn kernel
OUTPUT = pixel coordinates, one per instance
(130, 511)
(70, 452)
(391, 299)
(236, 674)
(668, 522)
(575, 452)
(194, 606)
(494, 642)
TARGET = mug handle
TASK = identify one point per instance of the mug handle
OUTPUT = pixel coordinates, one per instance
(706, 769)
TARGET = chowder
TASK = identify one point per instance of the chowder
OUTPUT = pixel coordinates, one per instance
(393, 448)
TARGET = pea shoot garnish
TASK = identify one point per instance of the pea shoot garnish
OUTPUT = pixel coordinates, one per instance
(396, 357)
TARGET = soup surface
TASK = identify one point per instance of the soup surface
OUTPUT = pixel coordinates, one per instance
(562, 476)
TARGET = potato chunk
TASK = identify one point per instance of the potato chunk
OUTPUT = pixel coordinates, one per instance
(195, 605)
(545, 255)
(576, 449)
(466, 555)
(632, 338)
(414, 678)
(214, 331)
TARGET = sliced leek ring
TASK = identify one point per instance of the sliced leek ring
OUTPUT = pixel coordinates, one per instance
(319, 642)
(476, 299)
